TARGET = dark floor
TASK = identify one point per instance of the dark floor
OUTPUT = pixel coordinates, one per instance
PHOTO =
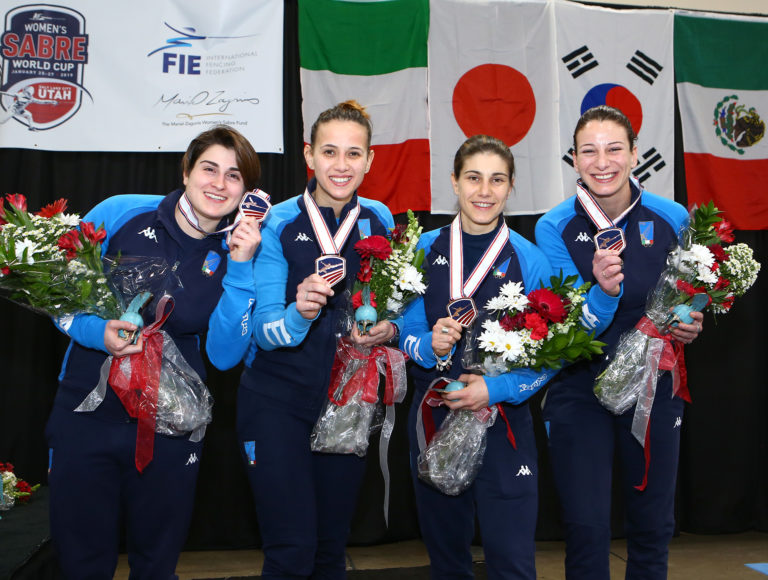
(698, 557)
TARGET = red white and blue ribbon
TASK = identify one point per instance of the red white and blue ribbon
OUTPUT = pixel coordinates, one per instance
(330, 245)
(185, 207)
(604, 224)
(459, 289)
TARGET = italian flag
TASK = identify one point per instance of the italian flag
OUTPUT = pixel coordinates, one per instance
(376, 53)
(721, 73)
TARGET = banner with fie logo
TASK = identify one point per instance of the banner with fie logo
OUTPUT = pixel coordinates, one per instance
(85, 75)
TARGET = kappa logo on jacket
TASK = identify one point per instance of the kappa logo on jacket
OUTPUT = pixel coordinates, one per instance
(149, 232)
(678, 422)
(440, 261)
(524, 470)
(302, 237)
(192, 459)
(583, 237)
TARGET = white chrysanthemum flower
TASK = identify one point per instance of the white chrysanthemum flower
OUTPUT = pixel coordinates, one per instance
(69, 219)
(706, 275)
(512, 347)
(702, 255)
(394, 305)
(496, 303)
(512, 292)
(411, 280)
(396, 294)
(492, 337)
(30, 247)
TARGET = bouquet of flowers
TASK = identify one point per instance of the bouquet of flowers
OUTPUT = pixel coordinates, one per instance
(54, 267)
(538, 330)
(701, 272)
(390, 276)
(49, 265)
(13, 489)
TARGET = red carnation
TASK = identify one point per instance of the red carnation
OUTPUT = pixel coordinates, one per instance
(510, 323)
(53, 209)
(366, 271)
(547, 304)
(724, 230)
(17, 200)
(3, 221)
(727, 303)
(537, 325)
(376, 246)
(718, 252)
(70, 242)
(357, 299)
(690, 289)
(5, 270)
(92, 234)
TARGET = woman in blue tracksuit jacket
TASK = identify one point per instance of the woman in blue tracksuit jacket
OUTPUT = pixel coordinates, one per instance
(304, 500)
(582, 434)
(95, 486)
(504, 494)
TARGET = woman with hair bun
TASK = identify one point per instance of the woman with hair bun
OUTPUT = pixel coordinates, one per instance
(304, 500)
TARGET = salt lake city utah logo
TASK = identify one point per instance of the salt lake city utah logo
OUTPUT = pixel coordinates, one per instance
(44, 52)
(736, 125)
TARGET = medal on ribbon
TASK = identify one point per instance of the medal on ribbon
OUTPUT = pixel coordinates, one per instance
(608, 236)
(610, 239)
(462, 311)
(255, 204)
(330, 266)
(461, 307)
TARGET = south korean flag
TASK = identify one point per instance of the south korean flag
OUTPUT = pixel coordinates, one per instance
(621, 58)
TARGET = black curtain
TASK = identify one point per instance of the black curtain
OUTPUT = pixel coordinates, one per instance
(723, 483)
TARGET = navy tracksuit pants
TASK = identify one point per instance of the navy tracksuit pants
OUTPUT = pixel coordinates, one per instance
(583, 437)
(95, 487)
(503, 497)
(304, 501)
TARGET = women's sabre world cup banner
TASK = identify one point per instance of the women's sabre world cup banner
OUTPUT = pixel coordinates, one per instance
(86, 75)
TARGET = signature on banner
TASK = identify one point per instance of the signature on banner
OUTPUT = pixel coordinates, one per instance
(216, 99)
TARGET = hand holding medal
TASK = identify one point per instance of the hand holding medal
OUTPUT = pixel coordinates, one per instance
(608, 270)
(246, 236)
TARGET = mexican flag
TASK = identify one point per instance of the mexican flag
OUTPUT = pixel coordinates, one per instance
(722, 87)
(376, 53)
(492, 71)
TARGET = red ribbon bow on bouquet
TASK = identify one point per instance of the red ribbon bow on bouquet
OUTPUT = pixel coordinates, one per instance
(672, 359)
(138, 390)
(433, 398)
(367, 377)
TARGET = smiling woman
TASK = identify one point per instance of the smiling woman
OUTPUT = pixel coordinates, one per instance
(468, 262)
(306, 267)
(150, 483)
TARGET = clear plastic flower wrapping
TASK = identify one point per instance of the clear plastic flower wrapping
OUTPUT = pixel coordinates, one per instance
(452, 459)
(635, 364)
(355, 410)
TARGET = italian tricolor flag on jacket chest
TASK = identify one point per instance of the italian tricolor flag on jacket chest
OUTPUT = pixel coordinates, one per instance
(721, 70)
(375, 53)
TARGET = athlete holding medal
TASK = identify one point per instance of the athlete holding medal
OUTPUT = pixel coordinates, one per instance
(300, 280)
(466, 264)
(632, 231)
